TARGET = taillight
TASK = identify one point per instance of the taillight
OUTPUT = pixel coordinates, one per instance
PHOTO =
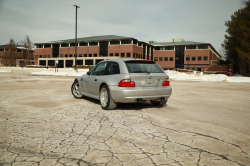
(165, 83)
(126, 83)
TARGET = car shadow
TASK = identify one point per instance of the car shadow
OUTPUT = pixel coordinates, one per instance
(127, 106)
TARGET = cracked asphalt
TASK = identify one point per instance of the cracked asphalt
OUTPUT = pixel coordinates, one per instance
(203, 123)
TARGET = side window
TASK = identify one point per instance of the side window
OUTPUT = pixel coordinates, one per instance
(100, 69)
(112, 68)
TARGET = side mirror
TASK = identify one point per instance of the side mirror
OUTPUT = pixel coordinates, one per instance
(88, 73)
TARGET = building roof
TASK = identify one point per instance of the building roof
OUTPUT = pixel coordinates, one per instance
(178, 43)
(186, 43)
(93, 38)
(16, 46)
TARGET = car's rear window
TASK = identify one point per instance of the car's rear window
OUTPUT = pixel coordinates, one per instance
(143, 66)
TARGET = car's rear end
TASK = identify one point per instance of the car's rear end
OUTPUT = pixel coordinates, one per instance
(146, 81)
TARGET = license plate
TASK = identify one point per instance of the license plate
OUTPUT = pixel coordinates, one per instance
(149, 83)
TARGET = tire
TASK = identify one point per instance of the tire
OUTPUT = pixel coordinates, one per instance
(75, 90)
(106, 100)
(158, 103)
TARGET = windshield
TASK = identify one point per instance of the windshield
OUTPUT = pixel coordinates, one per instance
(143, 66)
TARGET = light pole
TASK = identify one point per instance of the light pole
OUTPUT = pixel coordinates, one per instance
(76, 36)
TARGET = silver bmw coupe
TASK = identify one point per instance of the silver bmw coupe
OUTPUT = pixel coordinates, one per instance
(124, 81)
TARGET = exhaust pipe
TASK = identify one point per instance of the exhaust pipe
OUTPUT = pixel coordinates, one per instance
(139, 100)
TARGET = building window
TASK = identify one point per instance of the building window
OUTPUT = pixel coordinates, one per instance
(89, 62)
(191, 47)
(85, 55)
(158, 48)
(36, 56)
(80, 55)
(110, 54)
(165, 68)
(205, 58)
(126, 42)
(155, 58)
(66, 56)
(122, 54)
(90, 55)
(73, 44)
(116, 54)
(170, 68)
(169, 48)
(39, 46)
(93, 43)
(70, 55)
(44, 56)
(165, 58)
(48, 56)
(61, 55)
(75, 55)
(199, 58)
(187, 58)
(64, 45)
(193, 58)
(83, 44)
(160, 58)
(114, 42)
(134, 55)
(171, 58)
(47, 46)
(203, 47)
(95, 55)
(128, 54)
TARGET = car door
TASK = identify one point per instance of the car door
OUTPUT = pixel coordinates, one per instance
(95, 77)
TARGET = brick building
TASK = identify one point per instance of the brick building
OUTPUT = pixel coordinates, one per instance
(18, 56)
(91, 50)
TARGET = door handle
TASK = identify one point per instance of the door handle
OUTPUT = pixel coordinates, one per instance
(95, 80)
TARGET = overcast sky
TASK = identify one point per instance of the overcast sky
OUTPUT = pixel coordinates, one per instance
(158, 20)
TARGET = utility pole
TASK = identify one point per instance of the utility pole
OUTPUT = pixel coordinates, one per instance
(76, 36)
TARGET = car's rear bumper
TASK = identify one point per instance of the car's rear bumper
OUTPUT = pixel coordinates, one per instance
(131, 94)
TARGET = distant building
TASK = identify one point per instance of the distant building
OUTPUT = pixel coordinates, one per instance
(91, 50)
(16, 57)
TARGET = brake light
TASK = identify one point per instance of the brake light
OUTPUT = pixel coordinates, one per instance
(165, 83)
(126, 83)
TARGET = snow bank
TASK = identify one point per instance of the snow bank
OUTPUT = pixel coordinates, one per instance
(175, 75)
(5, 70)
(195, 76)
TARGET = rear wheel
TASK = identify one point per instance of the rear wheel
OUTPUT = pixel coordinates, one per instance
(158, 103)
(75, 90)
(106, 100)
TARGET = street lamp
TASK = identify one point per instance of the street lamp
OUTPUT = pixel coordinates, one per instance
(76, 36)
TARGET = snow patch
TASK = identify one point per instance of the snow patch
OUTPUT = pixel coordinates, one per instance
(5, 71)
(199, 76)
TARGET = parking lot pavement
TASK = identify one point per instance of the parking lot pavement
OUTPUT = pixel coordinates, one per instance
(41, 123)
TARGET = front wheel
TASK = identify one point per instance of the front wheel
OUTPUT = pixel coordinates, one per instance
(106, 100)
(75, 90)
(158, 103)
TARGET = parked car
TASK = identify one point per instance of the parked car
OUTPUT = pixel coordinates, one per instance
(124, 81)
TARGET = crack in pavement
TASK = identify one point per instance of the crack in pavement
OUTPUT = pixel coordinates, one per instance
(86, 135)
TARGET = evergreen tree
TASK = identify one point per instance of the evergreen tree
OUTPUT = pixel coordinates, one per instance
(237, 40)
(243, 38)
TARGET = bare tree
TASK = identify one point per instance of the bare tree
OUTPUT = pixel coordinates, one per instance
(10, 53)
(222, 52)
(28, 45)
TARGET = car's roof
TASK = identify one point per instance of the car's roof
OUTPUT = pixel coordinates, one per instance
(124, 59)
